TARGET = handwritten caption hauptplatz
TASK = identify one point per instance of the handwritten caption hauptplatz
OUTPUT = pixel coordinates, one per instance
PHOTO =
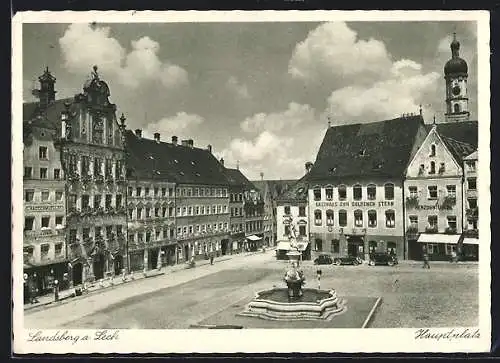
(65, 336)
(453, 334)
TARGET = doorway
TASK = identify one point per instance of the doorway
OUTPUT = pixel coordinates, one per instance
(186, 252)
(118, 265)
(224, 246)
(77, 273)
(98, 266)
(355, 246)
(153, 258)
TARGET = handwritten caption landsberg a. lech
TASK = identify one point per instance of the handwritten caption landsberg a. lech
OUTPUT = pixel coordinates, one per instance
(67, 336)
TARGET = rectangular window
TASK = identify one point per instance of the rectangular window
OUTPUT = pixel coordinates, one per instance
(42, 152)
(139, 213)
(342, 218)
(164, 212)
(432, 192)
(170, 211)
(188, 192)
(148, 212)
(178, 211)
(28, 172)
(147, 192)
(29, 194)
(57, 174)
(287, 209)
(130, 191)
(190, 229)
(148, 236)
(157, 212)
(372, 218)
(184, 211)
(45, 222)
(59, 195)
(302, 231)
(329, 193)
(219, 209)
(390, 219)
(107, 202)
(342, 192)
(433, 221)
(413, 191)
(138, 191)
(29, 223)
(202, 192)
(72, 235)
(43, 173)
(452, 222)
(163, 192)
(302, 211)
(318, 245)
(335, 246)
(45, 195)
(97, 201)
(317, 194)
(471, 165)
(190, 211)
(471, 183)
(184, 230)
(389, 191)
(59, 220)
(371, 192)
(451, 190)
(413, 221)
(85, 201)
(86, 233)
(118, 201)
(358, 218)
(156, 191)
(472, 203)
(214, 209)
(130, 214)
(179, 231)
(357, 192)
(171, 192)
(44, 249)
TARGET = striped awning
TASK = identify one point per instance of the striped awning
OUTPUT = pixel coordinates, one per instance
(438, 238)
(284, 246)
(471, 241)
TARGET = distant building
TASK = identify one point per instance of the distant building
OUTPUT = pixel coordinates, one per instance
(356, 187)
(44, 193)
(471, 208)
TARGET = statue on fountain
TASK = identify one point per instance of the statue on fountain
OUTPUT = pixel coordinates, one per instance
(294, 280)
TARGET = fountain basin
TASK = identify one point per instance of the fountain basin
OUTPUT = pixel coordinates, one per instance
(314, 304)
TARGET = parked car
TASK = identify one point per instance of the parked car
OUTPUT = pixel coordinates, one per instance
(323, 260)
(347, 260)
(382, 259)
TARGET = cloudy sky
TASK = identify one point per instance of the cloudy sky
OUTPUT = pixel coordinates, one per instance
(260, 93)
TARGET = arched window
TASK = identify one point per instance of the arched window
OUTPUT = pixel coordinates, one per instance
(317, 217)
(342, 192)
(317, 193)
(329, 217)
(456, 108)
(372, 218)
(433, 150)
(358, 218)
(342, 218)
(390, 218)
(433, 168)
(371, 191)
(329, 193)
(389, 191)
(357, 192)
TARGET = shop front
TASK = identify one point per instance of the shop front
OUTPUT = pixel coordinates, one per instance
(43, 276)
(136, 260)
(470, 249)
(283, 247)
(439, 247)
(254, 242)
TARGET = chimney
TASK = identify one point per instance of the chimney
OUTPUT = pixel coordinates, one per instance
(184, 142)
(222, 161)
(190, 143)
(138, 133)
(174, 140)
(157, 137)
(209, 148)
(309, 166)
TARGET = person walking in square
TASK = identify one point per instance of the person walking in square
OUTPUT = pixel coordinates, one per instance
(211, 258)
(426, 260)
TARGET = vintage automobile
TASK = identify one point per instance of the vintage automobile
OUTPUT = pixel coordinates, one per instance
(323, 260)
(347, 260)
(381, 258)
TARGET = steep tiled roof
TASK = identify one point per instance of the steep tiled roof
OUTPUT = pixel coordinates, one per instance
(296, 192)
(377, 150)
(472, 156)
(175, 163)
(458, 149)
(274, 187)
(49, 117)
(464, 131)
(236, 178)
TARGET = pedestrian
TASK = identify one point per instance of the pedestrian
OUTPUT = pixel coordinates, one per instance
(453, 256)
(33, 289)
(426, 261)
(56, 290)
(212, 259)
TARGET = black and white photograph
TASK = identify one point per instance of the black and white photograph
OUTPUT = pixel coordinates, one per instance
(255, 181)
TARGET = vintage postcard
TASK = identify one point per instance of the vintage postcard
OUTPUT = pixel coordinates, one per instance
(223, 182)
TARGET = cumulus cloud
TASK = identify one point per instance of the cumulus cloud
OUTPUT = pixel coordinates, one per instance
(83, 46)
(296, 114)
(181, 124)
(334, 49)
(239, 89)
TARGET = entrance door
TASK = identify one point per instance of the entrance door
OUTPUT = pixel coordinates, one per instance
(98, 266)
(153, 257)
(77, 273)
(186, 252)
(118, 265)
(224, 246)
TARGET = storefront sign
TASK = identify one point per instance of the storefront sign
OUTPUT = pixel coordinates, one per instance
(45, 208)
(385, 203)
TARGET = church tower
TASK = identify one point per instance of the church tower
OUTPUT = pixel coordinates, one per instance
(46, 94)
(455, 75)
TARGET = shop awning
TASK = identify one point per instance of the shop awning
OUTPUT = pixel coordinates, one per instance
(471, 241)
(438, 238)
(302, 245)
(284, 245)
(254, 238)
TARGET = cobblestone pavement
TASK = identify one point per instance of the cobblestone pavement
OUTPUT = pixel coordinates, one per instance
(446, 295)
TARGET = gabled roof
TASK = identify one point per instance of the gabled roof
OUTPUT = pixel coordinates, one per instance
(297, 192)
(274, 187)
(236, 178)
(458, 149)
(174, 163)
(463, 131)
(472, 156)
(49, 117)
(378, 150)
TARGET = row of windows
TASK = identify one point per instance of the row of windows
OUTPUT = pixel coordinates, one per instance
(372, 246)
(201, 210)
(432, 222)
(85, 164)
(432, 191)
(45, 222)
(150, 192)
(202, 228)
(201, 192)
(45, 195)
(357, 192)
(235, 212)
(390, 218)
(254, 226)
(159, 212)
(302, 231)
(302, 210)
(156, 235)
(86, 232)
(236, 197)
(43, 173)
(237, 228)
(44, 250)
(97, 201)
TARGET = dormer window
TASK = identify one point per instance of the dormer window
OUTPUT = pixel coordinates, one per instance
(176, 161)
(357, 192)
(362, 152)
(192, 163)
(433, 150)
(317, 193)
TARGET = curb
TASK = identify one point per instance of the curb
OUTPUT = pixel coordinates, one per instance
(369, 318)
